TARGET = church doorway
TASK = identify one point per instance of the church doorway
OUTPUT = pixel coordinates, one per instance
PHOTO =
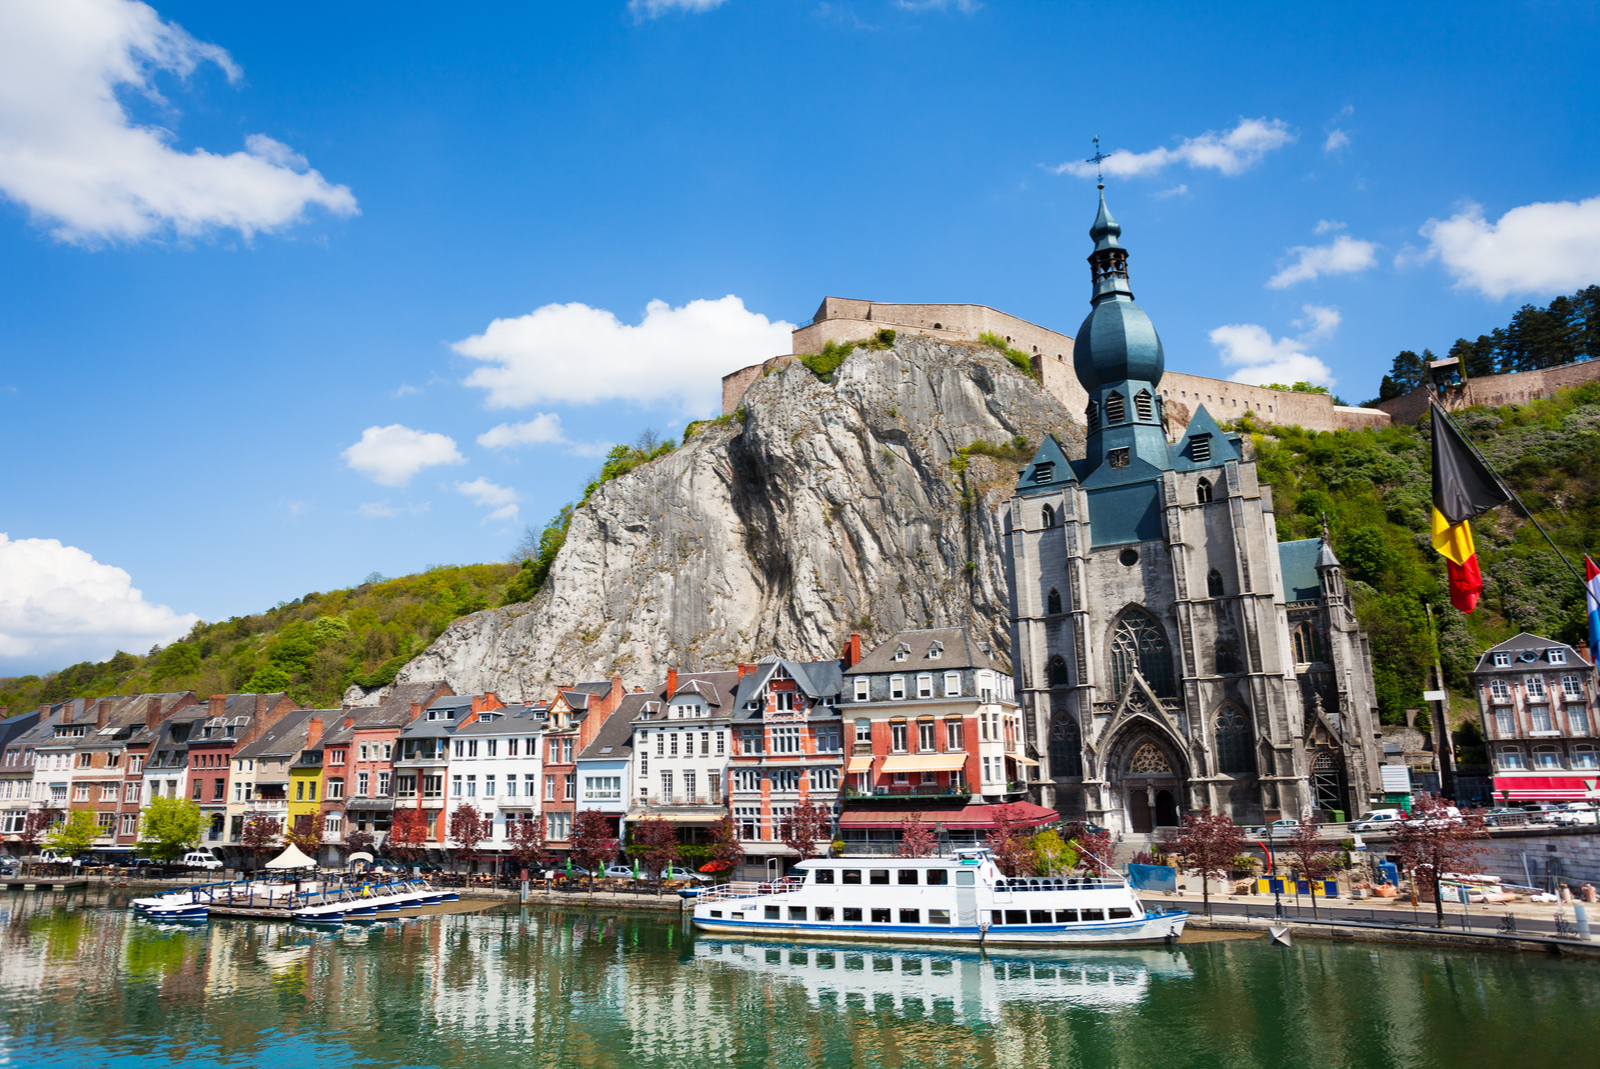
(1166, 809)
(1139, 813)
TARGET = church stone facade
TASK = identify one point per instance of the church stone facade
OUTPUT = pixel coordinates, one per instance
(1171, 654)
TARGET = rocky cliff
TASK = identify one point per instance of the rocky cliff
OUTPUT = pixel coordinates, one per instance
(830, 507)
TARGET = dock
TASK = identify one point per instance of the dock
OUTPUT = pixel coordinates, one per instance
(43, 883)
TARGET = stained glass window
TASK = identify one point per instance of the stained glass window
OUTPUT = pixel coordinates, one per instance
(1066, 746)
(1137, 641)
(1233, 742)
(1148, 760)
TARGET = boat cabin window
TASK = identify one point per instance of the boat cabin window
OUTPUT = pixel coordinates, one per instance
(1039, 916)
(878, 875)
(938, 916)
(851, 876)
(824, 913)
(1066, 916)
(965, 878)
(852, 913)
(797, 913)
(880, 915)
(822, 876)
(938, 877)
(1094, 914)
(1012, 916)
(908, 875)
(1121, 914)
(772, 913)
(911, 916)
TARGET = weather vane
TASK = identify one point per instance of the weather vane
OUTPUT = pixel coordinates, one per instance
(1100, 179)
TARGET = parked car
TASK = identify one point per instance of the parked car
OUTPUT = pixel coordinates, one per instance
(1574, 813)
(50, 857)
(1540, 812)
(9, 865)
(380, 866)
(683, 874)
(1278, 829)
(200, 859)
(1505, 817)
(560, 871)
(620, 872)
(1378, 820)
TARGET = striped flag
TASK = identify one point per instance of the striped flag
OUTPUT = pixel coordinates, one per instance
(1591, 584)
(1463, 487)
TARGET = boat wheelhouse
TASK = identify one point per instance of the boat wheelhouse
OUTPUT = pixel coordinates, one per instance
(962, 900)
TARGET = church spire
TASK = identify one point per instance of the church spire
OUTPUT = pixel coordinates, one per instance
(1108, 263)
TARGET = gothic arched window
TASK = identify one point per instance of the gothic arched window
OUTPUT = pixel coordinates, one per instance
(1066, 746)
(1227, 664)
(1137, 642)
(1052, 603)
(1056, 671)
(1202, 491)
(1116, 408)
(1148, 760)
(1233, 742)
(1047, 517)
(1144, 406)
(1307, 644)
(1214, 583)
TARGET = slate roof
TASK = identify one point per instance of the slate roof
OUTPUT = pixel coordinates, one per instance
(512, 720)
(816, 680)
(395, 710)
(614, 742)
(285, 737)
(1298, 561)
(1525, 643)
(960, 651)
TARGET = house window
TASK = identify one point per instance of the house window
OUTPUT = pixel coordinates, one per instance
(1534, 685)
(828, 739)
(130, 824)
(862, 684)
(455, 786)
(750, 740)
(1539, 717)
(571, 785)
(897, 736)
(749, 821)
(1571, 687)
(1502, 660)
(488, 786)
(864, 730)
(1202, 491)
(549, 788)
(1585, 757)
(953, 735)
(335, 757)
(785, 780)
(672, 743)
(130, 792)
(566, 751)
(786, 740)
(705, 744)
(334, 825)
(363, 781)
(1546, 757)
(1578, 720)
(902, 652)
(925, 736)
(925, 685)
(952, 684)
(1512, 758)
(511, 747)
(897, 687)
(461, 748)
(383, 784)
(1499, 690)
(785, 700)
(489, 747)
(666, 786)
(824, 779)
(560, 825)
(1556, 656)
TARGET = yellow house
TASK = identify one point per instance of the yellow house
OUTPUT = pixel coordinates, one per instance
(305, 774)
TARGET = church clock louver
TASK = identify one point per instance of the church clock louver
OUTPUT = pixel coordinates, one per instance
(1171, 653)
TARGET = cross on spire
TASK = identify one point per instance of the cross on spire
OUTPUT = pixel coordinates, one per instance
(1100, 179)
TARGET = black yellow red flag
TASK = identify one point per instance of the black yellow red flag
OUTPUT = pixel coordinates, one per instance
(1463, 487)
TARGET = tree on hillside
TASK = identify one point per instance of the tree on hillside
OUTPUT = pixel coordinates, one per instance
(73, 836)
(467, 830)
(593, 842)
(1312, 858)
(408, 834)
(727, 852)
(1208, 844)
(1009, 840)
(916, 838)
(526, 842)
(656, 841)
(260, 834)
(804, 827)
(168, 828)
(1405, 374)
(1433, 843)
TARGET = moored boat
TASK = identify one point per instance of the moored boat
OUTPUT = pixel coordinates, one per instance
(965, 900)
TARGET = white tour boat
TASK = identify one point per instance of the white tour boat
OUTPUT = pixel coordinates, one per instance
(962, 900)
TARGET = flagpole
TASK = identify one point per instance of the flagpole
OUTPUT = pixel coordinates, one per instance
(1526, 511)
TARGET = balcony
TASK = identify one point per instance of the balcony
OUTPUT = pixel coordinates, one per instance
(900, 791)
(684, 799)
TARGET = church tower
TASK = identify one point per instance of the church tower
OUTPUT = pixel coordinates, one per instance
(1151, 623)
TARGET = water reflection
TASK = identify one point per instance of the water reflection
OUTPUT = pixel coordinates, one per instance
(97, 986)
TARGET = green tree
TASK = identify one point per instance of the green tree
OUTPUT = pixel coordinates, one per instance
(269, 679)
(536, 569)
(168, 827)
(74, 835)
(1405, 375)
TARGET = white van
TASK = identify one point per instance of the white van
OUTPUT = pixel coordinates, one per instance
(1378, 820)
(1575, 813)
(200, 859)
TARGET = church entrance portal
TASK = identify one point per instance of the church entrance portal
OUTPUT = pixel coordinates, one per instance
(1166, 809)
(1139, 812)
(1147, 783)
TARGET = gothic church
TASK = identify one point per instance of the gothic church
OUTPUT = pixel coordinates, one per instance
(1170, 652)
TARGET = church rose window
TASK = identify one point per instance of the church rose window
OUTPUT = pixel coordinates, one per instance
(1137, 642)
(1148, 760)
(1066, 746)
(1233, 742)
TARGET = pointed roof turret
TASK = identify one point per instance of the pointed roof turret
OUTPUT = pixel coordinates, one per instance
(1106, 230)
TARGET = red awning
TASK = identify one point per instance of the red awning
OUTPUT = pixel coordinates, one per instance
(1543, 788)
(975, 817)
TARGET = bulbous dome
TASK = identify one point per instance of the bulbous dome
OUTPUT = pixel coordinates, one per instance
(1117, 341)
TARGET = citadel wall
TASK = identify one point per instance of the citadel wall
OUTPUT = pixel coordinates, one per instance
(1517, 388)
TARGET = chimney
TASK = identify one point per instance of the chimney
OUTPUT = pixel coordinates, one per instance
(261, 706)
(313, 731)
(152, 713)
(745, 669)
(638, 690)
(349, 722)
(852, 651)
(216, 705)
(102, 712)
(672, 682)
(416, 711)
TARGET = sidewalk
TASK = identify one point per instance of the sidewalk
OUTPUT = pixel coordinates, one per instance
(1396, 909)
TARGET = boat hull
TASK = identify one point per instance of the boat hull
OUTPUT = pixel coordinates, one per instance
(1152, 928)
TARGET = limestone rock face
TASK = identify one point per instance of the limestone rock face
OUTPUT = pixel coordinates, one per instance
(830, 507)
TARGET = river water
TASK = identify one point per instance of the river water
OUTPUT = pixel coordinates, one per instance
(85, 984)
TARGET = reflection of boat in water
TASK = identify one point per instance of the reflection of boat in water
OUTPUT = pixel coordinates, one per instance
(965, 985)
(310, 902)
(966, 900)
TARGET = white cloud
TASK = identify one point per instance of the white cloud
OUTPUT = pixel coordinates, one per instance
(1337, 139)
(391, 455)
(654, 9)
(1231, 152)
(543, 429)
(580, 355)
(1546, 247)
(1327, 226)
(1178, 190)
(485, 493)
(1344, 256)
(405, 389)
(966, 7)
(71, 154)
(1261, 359)
(58, 606)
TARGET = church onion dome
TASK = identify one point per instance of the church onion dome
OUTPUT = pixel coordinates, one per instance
(1117, 341)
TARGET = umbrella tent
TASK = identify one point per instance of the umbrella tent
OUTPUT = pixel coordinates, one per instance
(292, 858)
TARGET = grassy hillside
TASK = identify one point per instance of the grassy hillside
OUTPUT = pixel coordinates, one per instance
(312, 647)
(1374, 487)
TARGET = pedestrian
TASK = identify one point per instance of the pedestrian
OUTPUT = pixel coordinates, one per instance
(1589, 893)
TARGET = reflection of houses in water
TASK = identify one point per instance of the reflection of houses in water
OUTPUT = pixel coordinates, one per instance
(959, 988)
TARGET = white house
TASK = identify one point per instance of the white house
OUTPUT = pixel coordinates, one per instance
(494, 764)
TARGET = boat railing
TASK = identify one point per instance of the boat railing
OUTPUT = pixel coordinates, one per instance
(725, 891)
(1058, 883)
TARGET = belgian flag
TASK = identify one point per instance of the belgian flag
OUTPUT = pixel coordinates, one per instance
(1463, 487)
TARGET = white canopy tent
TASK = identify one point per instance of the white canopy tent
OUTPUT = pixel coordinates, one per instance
(292, 858)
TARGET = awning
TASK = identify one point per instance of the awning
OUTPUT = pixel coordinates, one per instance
(1544, 788)
(971, 817)
(859, 764)
(1019, 759)
(931, 762)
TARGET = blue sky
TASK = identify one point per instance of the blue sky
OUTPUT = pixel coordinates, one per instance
(292, 293)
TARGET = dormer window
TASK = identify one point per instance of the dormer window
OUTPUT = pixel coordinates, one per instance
(902, 652)
(1502, 660)
(1116, 408)
(935, 651)
(1144, 406)
(1043, 473)
(1093, 415)
(1200, 448)
(1556, 656)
